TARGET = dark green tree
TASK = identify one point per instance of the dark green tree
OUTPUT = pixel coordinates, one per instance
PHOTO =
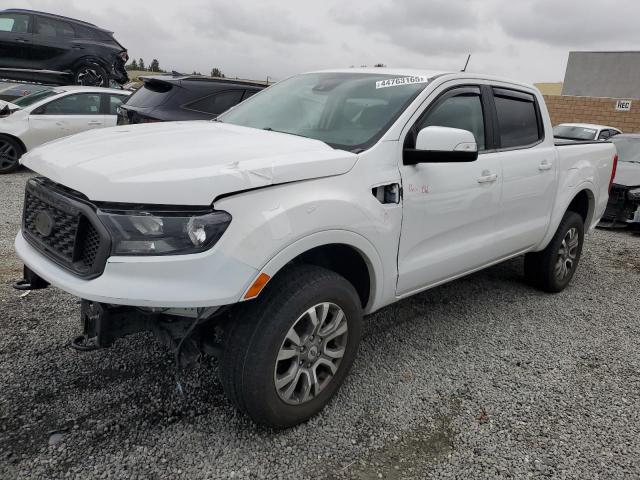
(155, 65)
(216, 72)
(141, 64)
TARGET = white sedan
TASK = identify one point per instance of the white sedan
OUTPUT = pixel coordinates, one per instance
(54, 113)
(584, 131)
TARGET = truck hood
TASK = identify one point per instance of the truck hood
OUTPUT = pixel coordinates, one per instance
(182, 163)
(627, 174)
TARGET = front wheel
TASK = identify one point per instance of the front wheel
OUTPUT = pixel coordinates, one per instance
(552, 269)
(287, 353)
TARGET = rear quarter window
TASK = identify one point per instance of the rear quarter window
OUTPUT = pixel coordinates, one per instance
(217, 103)
(518, 118)
(152, 94)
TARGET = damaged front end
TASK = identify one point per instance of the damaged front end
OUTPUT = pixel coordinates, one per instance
(623, 208)
(188, 333)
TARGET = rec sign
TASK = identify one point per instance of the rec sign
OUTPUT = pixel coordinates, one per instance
(623, 105)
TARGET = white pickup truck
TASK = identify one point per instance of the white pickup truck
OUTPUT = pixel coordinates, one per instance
(265, 236)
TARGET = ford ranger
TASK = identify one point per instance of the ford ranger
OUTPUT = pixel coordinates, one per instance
(264, 236)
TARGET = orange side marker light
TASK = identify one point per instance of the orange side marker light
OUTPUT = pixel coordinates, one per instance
(257, 286)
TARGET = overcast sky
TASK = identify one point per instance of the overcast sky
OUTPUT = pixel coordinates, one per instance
(527, 40)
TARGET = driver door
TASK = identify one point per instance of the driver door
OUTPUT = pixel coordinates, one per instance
(449, 209)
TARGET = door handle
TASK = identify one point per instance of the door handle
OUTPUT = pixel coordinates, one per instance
(94, 122)
(21, 40)
(545, 165)
(487, 177)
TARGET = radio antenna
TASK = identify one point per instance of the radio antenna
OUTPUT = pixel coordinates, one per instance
(467, 63)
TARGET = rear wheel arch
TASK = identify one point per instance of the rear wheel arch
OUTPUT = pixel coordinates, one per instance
(583, 203)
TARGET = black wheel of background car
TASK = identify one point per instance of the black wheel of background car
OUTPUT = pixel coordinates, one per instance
(286, 353)
(10, 153)
(91, 75)
(552, 269)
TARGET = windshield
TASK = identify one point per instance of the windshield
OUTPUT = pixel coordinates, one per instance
(33, 98)
(574, 132)
(345, 110)
(628, 149)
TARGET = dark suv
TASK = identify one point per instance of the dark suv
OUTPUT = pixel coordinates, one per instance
(41, 47)
(184, 97)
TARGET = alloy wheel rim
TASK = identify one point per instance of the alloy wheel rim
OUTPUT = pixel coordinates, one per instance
(567, 254)
(311, 353)
(89, 77)
(8, 155)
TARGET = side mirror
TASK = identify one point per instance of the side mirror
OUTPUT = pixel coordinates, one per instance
(442, 145)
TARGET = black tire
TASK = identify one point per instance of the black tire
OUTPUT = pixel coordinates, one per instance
(544, 269)
(91, 75)
(256, 335)
(10, 153)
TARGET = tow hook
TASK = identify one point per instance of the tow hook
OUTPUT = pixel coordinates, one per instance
(30, 281)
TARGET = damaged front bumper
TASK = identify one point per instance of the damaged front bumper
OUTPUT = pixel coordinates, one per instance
(623, 208)
(206, 279)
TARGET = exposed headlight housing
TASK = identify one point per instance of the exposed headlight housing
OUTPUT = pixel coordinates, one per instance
(634, 193)
(136, 232)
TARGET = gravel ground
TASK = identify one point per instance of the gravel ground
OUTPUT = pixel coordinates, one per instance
(482, 378)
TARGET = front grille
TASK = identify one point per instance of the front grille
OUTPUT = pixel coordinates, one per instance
(63, 237)
(64, 228)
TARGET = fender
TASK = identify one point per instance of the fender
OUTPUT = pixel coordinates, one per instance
(563, 201)
(345, 237)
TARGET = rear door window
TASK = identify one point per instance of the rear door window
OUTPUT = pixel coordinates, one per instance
(217, 103)
(14, 23)
(75, 104)
(114, 101)
(518, 118)
(50, 27)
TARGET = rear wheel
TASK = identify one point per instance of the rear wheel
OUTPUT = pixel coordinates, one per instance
(287, 353)
(91, 75)
(552, 269)
(10, 153)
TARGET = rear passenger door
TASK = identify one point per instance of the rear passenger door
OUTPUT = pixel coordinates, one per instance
(528, 161)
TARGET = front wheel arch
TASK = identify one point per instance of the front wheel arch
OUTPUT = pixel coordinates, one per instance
(355, 244)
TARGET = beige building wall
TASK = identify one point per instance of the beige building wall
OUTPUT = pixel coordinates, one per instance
(553, 88)
(601, 111)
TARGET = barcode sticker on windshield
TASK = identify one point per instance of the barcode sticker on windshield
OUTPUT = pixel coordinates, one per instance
(397, 82)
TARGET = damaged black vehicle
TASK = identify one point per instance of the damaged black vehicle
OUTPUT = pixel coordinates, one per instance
(47, 48)
(623, 208)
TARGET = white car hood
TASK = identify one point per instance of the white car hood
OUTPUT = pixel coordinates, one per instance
(182, 163)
